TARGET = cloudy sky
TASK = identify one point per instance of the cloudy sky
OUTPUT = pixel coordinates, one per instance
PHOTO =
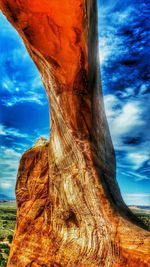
(124, 55)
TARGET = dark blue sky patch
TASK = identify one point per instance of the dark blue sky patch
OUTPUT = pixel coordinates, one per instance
(124, 53)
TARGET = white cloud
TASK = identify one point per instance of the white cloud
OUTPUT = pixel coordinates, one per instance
(143, 89)
(111, 102)
(5, 184)
(110, 44)
(10, 153)
(13, 132)
(36, 98)
(2, 130)
(105, 49)
(8, 167)
(7, 85)
(137, 159)
(125, 119)
(10, 156)
(128, 92)
(137, 199)
(129, 118)
(135, 175)
(37, 83)
(21, 84)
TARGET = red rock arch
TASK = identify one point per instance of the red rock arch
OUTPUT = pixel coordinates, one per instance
(75, 215)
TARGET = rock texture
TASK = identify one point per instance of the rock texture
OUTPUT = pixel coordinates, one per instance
(70, 210)
(40, 142)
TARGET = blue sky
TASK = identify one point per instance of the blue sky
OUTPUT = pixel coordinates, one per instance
(124, 56)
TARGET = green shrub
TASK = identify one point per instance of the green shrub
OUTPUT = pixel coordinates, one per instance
(2, 236)
(3, 246)
(10, 237)
(2, 261)
(8, 217)
(7, 250)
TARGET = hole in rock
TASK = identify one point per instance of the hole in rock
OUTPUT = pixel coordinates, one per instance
(24, 118)
(72, 219)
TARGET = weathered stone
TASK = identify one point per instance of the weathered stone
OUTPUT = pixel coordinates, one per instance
(40, 142)
(76, 217)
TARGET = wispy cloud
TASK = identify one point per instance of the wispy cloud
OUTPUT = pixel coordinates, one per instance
(8, 169)
(6, 185)
(13, 132)
(19, 81)
(34, 98)
(137, 159)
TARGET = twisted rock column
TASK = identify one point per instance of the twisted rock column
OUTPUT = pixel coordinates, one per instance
(75, 215)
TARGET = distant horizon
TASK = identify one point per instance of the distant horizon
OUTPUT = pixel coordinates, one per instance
(129, 205)
(9, 199)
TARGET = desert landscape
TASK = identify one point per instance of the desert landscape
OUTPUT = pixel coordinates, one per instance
(8, 220)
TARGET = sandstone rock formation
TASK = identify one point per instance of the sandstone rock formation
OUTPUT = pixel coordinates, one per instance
(70, 210)
(40, 142)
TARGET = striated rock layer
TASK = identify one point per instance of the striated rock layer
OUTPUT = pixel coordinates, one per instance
(70, 210)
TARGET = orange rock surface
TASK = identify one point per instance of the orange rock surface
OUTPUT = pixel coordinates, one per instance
(70, 210)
